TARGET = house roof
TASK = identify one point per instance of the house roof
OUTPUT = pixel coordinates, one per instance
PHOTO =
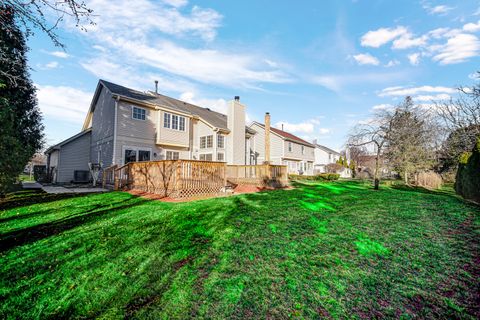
(214, 118)
(287, 135)
(327, 149)
(60, 144)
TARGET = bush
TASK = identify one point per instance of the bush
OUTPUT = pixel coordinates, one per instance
(467, 182)
(333, 167)
(318, 177)
(429, 179)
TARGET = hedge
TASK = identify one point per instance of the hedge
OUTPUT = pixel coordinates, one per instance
(318, 177)
(467, 181)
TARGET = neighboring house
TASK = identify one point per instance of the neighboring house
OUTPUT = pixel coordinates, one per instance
(323, 157)
(285, 149)
(124, 125)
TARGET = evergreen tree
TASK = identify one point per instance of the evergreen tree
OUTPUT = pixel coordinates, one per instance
(21, 128)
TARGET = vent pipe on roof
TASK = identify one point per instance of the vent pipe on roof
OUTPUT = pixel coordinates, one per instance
(156, 86)
(282, 126)
(267, 138)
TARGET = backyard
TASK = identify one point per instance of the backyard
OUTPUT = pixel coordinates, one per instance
(332, 250)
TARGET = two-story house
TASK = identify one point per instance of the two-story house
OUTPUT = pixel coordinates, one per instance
(285, 149)
(323, 157)
(124, 125)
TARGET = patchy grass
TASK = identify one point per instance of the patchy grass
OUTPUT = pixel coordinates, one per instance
(336, 250)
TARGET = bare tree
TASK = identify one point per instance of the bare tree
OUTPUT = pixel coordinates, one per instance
(33, 14)
(373, 133)
(460, 120)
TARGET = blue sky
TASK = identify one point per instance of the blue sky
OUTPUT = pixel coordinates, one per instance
(318, 67)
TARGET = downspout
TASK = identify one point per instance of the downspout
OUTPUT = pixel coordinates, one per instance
(115, 130)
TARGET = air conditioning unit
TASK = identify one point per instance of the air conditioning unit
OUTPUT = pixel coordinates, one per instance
(81, 176)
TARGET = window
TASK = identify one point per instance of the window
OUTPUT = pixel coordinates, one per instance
(173, 155)
(174, 122)
(181, 125)
(166, 120)
(143, 155)
(289, 147)
(209, 141)
(138, 113)
(220, 141)
(206, 157)
(132, 154)
(206, 142)
(303, 149)
(220, 156)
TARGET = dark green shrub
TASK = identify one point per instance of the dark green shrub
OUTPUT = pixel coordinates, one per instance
(467, 182)
(318, 177)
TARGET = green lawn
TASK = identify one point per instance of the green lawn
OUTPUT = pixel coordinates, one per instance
(334, 250)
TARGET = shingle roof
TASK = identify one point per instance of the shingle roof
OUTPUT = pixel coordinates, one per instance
(214, 118)
(288, 135)
(327, 149)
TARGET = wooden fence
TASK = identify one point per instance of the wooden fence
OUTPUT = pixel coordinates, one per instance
(266, 175)
(169, 178)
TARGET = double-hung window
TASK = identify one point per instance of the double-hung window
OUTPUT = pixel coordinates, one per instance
(206, 157)
(174, 122)
(173, 155)
(132, 154)
(166, 120)
(220, 141)
(138, 113)
(206, 142)
(289, 147)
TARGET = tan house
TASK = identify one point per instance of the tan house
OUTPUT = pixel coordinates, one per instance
(285, 149)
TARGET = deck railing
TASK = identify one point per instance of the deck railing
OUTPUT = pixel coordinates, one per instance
(259, 175)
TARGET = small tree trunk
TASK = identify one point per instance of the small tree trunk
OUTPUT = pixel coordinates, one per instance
(405, 176)
(376, 180)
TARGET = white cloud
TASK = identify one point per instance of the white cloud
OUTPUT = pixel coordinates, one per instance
(414, 58)
(58, 54)
(337, 82)
(219, 105)
(384, 106)
(303, 127)
(458, 49)
(407, 41)
(366, 58)
(324, 131)
(472, 27)
(135, 19)
(410, 91)
(63, 103)
(440, 9)
(381, 36)
(441, 96)
(52, 65)
(134, 34)
(175, 3)
(474, 76)
(392, 63)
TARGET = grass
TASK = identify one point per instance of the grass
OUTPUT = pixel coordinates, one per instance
(334, 250)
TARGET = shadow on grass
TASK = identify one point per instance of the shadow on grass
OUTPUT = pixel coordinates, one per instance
(32, 234)
(30, 197)
(442, 192)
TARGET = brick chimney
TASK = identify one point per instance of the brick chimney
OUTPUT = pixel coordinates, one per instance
(267, 138)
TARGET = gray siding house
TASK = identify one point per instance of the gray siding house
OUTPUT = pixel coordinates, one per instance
(124, 125)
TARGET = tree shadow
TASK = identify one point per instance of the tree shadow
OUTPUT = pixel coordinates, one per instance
(32, 234)
(439, 192)
(27, 198)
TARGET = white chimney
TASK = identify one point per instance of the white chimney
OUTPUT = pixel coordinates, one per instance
(236, 137)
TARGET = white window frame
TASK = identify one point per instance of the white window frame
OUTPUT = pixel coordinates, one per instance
(172, 153)
(220, 137)
(223, 156)
(205, 156)
(142, 109)
(180, 122)
(290, 147)
(207, 145)
(136, 149)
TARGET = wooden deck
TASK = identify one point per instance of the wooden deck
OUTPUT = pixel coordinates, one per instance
(179, 179)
